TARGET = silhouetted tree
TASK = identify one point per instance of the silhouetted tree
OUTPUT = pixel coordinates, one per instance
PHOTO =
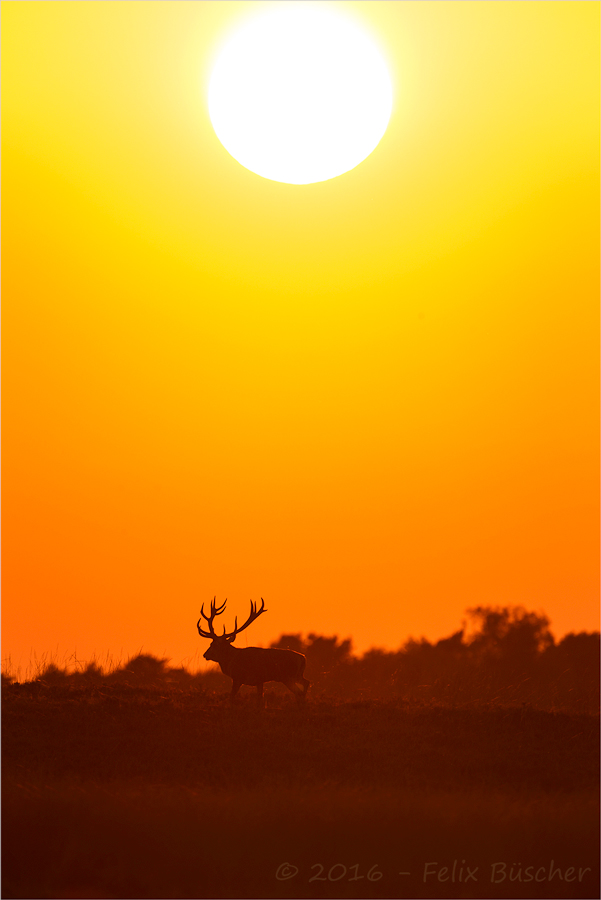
(569, 673)
(289, 642)
(509, 633)
(374, 675)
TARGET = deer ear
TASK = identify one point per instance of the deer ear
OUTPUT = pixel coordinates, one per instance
(231, 639)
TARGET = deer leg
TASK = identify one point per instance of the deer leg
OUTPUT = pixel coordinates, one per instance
(235, 689)
(293, 686)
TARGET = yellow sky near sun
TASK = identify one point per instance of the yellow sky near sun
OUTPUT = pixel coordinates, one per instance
(372, 400)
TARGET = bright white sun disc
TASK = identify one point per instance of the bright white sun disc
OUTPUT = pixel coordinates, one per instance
(299, 95)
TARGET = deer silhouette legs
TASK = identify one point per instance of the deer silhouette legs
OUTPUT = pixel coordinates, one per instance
(236, 687)
(293, 686)
(299, 693)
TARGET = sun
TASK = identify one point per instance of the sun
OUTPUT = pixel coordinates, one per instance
(300, 94)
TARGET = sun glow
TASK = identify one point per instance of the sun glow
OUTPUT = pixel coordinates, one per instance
(300, 95)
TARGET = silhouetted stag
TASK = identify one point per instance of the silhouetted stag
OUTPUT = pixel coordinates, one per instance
(253, 665)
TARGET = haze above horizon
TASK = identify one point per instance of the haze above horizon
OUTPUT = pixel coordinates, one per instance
(372, 400)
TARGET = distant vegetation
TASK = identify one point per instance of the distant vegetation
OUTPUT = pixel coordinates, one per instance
(141, 780)
(504, 656)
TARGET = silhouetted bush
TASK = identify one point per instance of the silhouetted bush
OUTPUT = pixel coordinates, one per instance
(143, 670)
(91, 675)
(55, 677)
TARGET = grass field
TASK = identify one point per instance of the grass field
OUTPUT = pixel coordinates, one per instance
(123, 792)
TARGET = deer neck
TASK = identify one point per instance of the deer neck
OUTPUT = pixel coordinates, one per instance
(225, 663)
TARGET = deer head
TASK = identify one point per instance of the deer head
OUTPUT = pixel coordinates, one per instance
(220, 643)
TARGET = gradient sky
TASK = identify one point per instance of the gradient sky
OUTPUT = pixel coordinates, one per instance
(372, 401)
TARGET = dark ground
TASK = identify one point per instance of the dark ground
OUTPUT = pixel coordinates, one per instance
(123, 792)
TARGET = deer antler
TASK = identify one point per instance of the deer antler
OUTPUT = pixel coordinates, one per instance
(215, 611)
(254, 614)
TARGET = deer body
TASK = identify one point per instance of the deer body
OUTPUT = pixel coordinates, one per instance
(253, 665)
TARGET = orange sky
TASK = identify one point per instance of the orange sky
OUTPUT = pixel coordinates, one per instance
(372, 401)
